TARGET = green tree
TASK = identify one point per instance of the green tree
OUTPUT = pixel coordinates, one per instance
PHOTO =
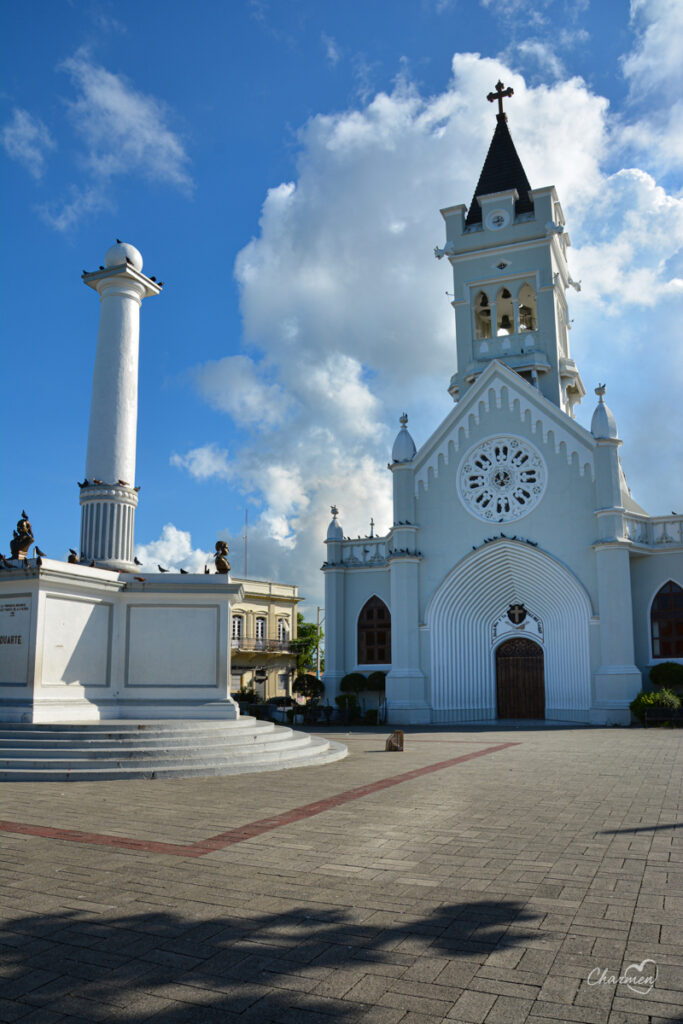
(306, 645)
(309, 686)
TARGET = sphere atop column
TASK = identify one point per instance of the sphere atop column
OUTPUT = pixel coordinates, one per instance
(121, 252)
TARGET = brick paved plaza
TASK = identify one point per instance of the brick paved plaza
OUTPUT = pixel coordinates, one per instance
(477, 876)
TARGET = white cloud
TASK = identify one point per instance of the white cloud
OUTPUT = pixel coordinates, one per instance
(543, 53)
(638, 227)
(342, 298)
(655, 61)
(124, 132)
(652, 69)
(26, 139)
(236, 385)
(66, 214)
(173, 550)
(332, 51)
(205, 462)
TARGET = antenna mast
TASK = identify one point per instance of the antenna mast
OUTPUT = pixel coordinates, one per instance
(246, 528)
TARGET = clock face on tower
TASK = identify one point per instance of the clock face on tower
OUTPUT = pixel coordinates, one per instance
(502, 479)
(497, 219)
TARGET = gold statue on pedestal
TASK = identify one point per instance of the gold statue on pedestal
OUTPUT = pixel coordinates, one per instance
(22, 538)
(221, 559)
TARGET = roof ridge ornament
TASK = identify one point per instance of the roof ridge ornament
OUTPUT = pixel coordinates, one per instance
(600, 392)
(498, 95)
(403, 420)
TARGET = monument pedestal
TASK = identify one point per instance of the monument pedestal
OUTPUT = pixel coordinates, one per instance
(80, 644)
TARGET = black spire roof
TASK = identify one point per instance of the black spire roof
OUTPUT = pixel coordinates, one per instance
(502, 170)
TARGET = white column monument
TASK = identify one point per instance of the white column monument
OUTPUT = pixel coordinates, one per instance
(109, 497)
(83, 642)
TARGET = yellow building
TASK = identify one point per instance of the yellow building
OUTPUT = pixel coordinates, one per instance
(263, 626)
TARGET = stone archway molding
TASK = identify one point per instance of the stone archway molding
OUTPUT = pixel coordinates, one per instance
(472, 595)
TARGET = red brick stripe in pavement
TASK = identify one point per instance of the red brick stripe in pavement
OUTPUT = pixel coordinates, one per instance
(242, 832)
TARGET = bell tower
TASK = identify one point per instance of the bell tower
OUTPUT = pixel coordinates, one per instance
(508, 252)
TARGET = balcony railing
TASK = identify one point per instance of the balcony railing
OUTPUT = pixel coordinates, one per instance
(253, 643)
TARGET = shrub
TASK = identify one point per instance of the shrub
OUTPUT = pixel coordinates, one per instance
(657, 699)
(346, 701)
(246, 695)
(309, 687)
(667, 673)
(354, 682)
(349, 710)
(376, 682)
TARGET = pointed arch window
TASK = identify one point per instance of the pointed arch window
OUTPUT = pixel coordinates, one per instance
(505, 313)
(482, 316)
(666, 622)
(374, 633)
(527, 308)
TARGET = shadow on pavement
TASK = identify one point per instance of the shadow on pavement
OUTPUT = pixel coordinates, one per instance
(271, 967)
(640, 828)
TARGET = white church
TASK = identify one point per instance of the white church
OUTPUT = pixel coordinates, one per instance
(520, 579)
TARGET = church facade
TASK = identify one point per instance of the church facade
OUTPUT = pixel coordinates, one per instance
(519, 579)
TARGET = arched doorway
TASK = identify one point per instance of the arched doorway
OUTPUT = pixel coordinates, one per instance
(520, 684)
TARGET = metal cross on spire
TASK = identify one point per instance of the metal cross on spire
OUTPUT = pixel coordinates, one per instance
(498, 95)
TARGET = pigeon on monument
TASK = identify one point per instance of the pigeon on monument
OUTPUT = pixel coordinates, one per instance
(84, 484)
(124, 483)
(183, 572)
(161, 568)
(137, 560)
(39, 553)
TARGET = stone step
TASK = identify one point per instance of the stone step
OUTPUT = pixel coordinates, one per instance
(145, 750)
(125, 727)
(318, 752)
(106, 741)
(115, 755)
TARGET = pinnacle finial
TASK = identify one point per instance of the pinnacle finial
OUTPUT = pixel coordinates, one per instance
(403, 420)
(600, 391)
(334, 510)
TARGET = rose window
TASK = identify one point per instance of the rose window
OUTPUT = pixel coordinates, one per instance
(502, 479)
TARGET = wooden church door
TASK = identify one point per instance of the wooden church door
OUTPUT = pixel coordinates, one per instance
(520, 685)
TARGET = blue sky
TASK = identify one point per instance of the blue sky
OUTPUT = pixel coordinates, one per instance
(281, 167)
